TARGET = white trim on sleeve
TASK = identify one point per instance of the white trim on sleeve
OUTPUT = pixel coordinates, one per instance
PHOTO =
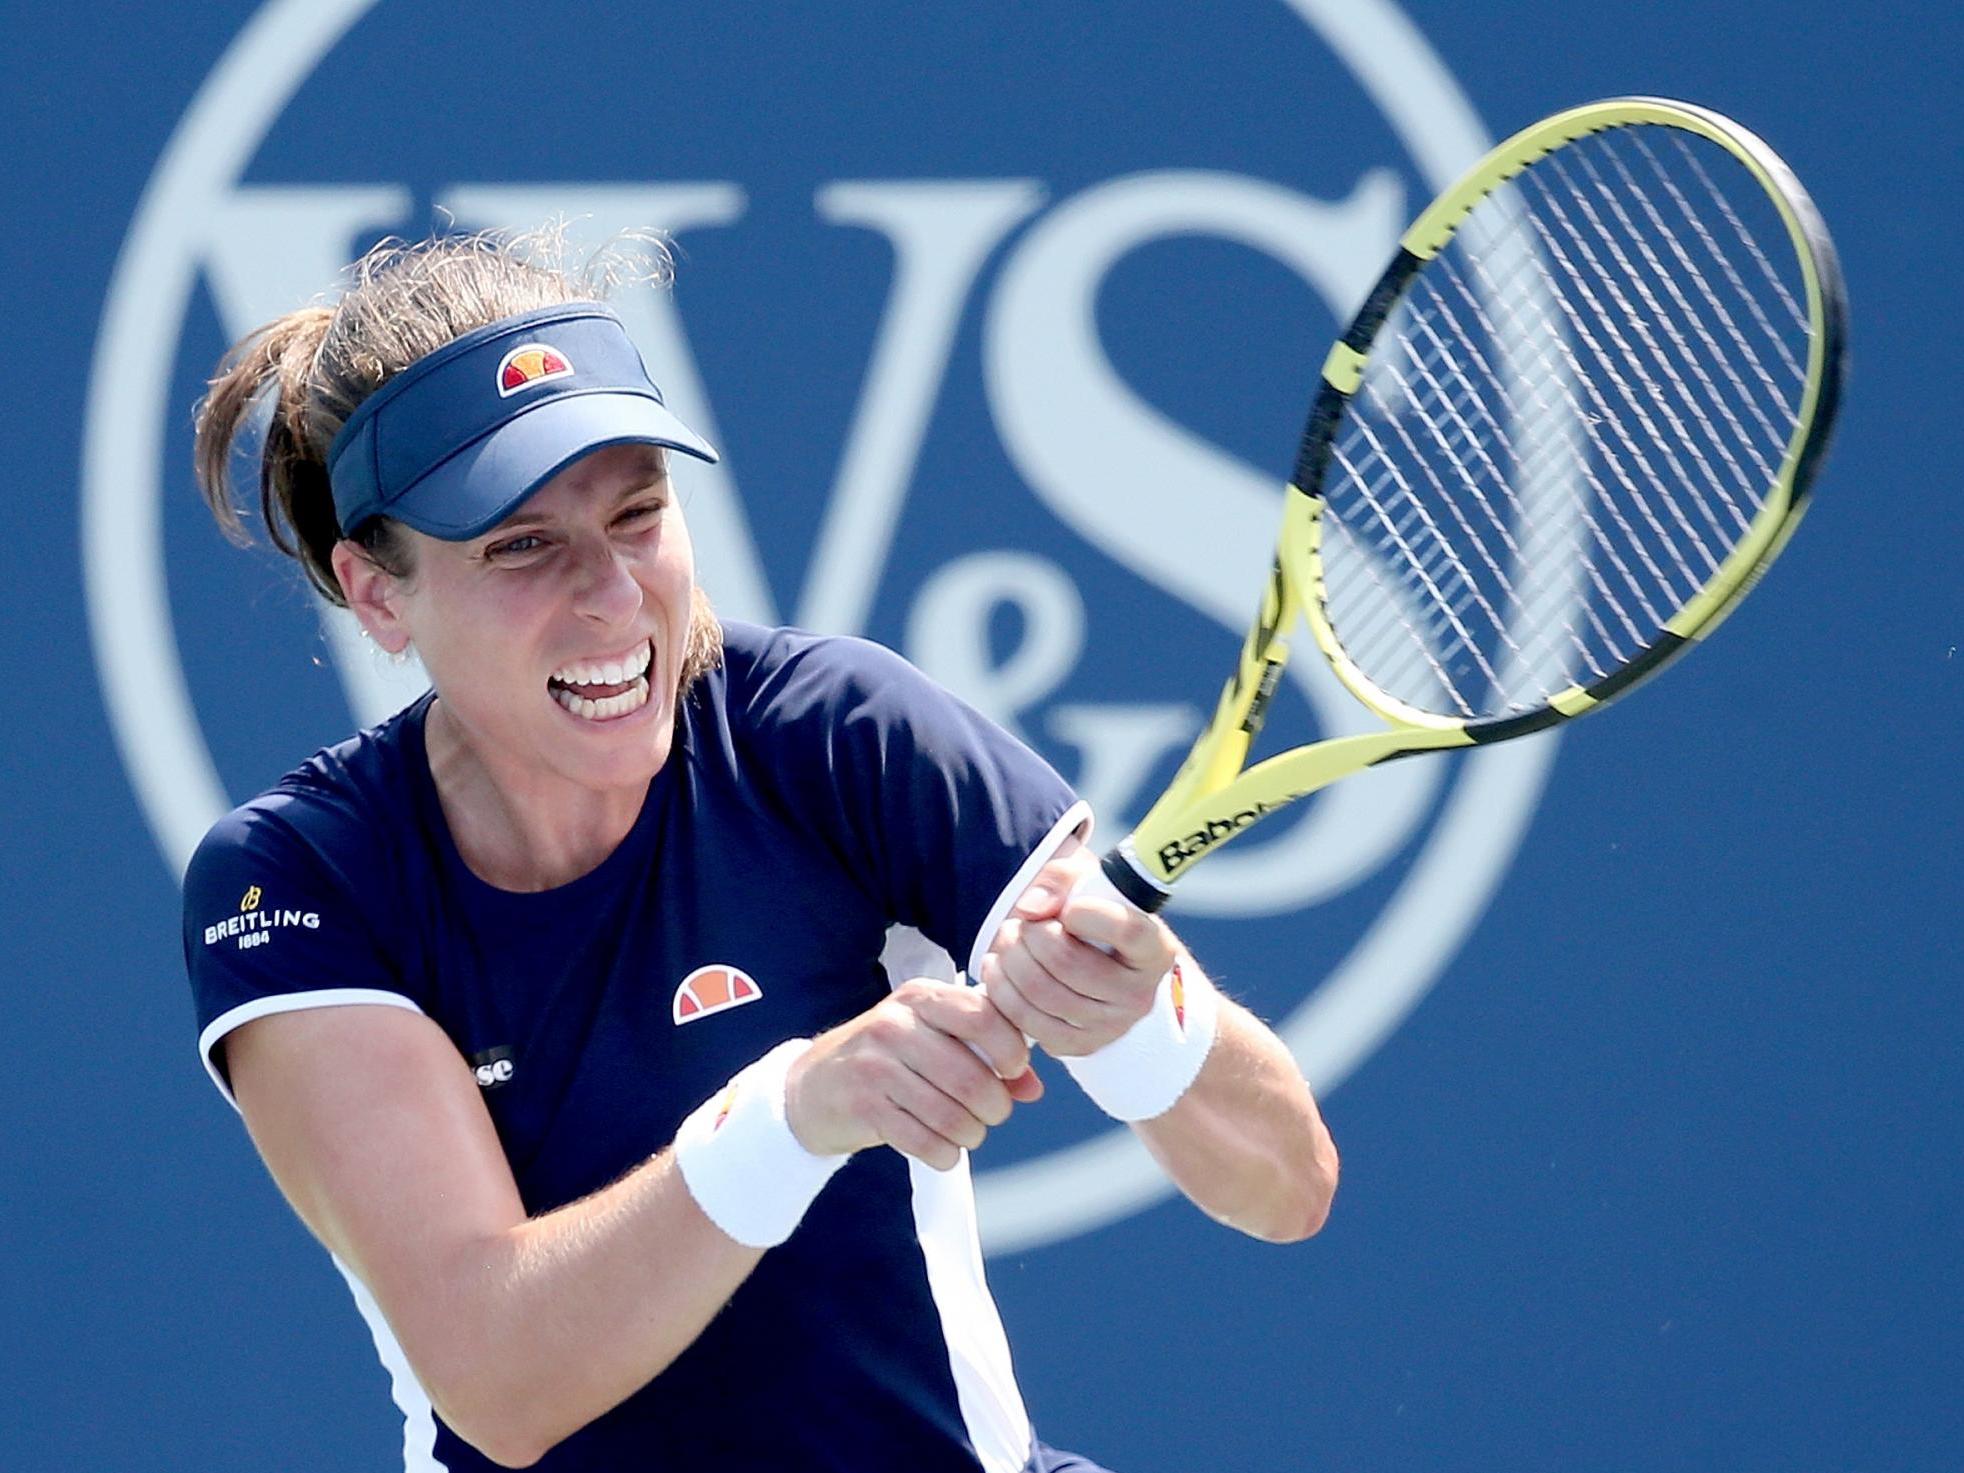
(1077, 816)
(287, 1002)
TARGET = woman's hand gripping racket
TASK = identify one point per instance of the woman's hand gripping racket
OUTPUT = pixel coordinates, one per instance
(1571, 426)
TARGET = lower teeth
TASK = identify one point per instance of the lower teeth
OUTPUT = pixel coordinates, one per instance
(608, 706)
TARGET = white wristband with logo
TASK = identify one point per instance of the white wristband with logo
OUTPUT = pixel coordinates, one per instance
(747, 1171)
(1144, 1071)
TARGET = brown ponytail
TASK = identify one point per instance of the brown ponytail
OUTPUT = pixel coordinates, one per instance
(400, 302)
(295, 502)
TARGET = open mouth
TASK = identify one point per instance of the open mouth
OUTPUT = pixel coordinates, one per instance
(604, 690)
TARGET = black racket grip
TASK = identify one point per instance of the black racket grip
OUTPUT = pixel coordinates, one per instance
(1134, 886)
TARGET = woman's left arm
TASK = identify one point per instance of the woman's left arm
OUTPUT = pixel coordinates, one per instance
(1245, 1141)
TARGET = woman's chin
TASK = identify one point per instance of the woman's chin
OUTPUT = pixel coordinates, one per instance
(628, 746)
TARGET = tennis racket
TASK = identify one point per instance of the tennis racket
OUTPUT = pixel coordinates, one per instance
(1571, 426)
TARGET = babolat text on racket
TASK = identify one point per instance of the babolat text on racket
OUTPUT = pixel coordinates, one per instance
(1572, 424)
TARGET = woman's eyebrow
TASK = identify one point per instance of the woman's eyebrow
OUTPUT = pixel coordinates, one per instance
(642, 488)
(518, 521)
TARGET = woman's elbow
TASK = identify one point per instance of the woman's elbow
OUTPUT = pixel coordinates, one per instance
(500, 1435)
(484, 1401)
(1323, 1175)
(1312, 1187)
(512, 1455)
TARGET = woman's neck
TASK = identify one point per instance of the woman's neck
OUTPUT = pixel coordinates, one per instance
(515, 828)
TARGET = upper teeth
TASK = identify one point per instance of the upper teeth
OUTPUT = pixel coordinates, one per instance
(606, 672)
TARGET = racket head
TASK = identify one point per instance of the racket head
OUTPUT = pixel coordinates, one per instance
(1572, 425)
(1598, 379)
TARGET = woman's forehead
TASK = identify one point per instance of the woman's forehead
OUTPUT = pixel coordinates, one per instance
(594, 481)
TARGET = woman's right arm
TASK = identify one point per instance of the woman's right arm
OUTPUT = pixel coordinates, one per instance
(520, 1331)
(524, 1330)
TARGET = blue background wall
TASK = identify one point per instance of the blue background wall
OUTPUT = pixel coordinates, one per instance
(1662, 1172)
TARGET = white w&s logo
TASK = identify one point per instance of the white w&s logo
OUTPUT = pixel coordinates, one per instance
(1028, 267)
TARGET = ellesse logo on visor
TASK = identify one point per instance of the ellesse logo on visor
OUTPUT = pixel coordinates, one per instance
(713, 989)
(528, 364)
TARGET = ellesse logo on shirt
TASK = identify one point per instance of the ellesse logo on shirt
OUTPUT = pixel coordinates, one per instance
(714, 989)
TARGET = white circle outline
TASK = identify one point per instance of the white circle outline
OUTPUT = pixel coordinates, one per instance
(156, 729)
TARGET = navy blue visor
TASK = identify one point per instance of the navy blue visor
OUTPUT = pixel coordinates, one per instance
(454, 443)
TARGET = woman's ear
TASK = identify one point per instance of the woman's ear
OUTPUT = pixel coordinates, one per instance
(372, 594)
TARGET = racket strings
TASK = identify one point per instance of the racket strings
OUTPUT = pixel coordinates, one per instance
(1592, 418)
(1383, 619)
(1388, 620)
(1645, 440)
(1734, 478)
(1565, 428)
(1667, 404)
(1417, 526)
(1544, 686)
(1476, 479)
(1775, 434)
(1545, 537)
(1527, 455)
(1547, 430)
(1769, 274)
(1358, 561)
(1464, 396)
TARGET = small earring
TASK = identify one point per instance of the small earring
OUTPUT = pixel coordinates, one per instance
(394, 657)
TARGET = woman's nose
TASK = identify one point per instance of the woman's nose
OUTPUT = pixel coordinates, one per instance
(608, 592)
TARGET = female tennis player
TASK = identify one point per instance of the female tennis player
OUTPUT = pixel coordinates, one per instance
(556, 1003)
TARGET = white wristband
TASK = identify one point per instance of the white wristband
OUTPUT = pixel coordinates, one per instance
(750, 1175)
(1144, 1071)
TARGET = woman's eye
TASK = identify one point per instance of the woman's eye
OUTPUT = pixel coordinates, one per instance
(523, 544)
(638, 516)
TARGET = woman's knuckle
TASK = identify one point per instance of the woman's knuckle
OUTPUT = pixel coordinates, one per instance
(887, 1028)
(1009, 1049)
(950, 1119)
(864, 1101)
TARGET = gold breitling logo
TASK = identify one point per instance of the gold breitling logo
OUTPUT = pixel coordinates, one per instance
(251, 900)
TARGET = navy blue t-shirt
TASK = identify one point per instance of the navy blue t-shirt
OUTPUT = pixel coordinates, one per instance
(820, 792)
